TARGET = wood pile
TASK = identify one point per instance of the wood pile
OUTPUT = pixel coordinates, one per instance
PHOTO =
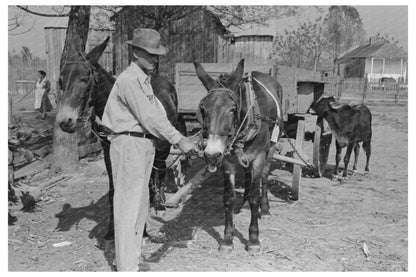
(29, 154)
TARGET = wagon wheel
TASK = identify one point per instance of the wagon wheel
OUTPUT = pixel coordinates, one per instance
(321, 146)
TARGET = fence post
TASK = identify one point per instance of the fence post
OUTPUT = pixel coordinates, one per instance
(365, 87)
(396, 95)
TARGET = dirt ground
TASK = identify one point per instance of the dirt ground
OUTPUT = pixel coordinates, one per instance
(326, 230)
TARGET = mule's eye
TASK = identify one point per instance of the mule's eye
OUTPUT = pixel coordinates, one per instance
(86, 79)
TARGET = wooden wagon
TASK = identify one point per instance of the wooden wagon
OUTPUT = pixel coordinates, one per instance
(300, 88)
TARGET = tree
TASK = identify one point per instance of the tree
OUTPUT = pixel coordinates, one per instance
(301, 47)
(342, 30)
(65, 145)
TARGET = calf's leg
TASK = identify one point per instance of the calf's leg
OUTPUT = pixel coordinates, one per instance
(347, 158)
(337, 157)
(356, 154)
(367, 150)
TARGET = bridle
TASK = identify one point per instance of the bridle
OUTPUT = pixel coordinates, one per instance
(85, 113)
(237, 124)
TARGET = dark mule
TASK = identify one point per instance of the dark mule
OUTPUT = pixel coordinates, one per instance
(232, 125)
(351, 124)
(86, 85)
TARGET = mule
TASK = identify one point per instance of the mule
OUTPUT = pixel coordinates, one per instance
(86, 84)
(233, 128)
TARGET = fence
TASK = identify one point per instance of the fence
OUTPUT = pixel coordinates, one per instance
(359, 90)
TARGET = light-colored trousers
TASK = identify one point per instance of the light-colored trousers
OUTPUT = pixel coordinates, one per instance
(131, 160)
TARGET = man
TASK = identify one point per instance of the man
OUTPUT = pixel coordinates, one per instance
(136, 116)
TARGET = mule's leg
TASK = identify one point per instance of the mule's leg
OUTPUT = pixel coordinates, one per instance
(356, 154)
(347, 158)
(264, 185)
(106, 149)
(157, 191)
(367, 149)
(337, 158)
(247, 189)
(229, 198)
(254, 199)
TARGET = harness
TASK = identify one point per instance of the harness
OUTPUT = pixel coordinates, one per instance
(86, 113)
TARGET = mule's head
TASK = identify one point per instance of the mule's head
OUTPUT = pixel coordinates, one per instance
(218, 112)
(77, 80)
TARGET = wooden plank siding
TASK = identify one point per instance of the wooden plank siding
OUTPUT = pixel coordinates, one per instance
(55, 40)
(194, 38)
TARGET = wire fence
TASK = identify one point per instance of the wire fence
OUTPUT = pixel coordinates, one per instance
(360, 90)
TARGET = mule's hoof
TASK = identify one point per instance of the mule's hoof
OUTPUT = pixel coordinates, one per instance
(354, 172)
(226, 249)
(253, 249)
(335, 178)
(265, 214)
(366, 172)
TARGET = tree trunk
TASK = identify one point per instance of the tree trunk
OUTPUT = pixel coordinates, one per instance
(78, 26)
(65, 145)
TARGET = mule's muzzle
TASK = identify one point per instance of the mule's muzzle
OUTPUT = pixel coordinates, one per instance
(213, 160)
(68, 125)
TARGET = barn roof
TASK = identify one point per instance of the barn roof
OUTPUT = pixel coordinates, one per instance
(375, 50)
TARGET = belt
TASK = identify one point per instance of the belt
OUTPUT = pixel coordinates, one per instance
(137, 134)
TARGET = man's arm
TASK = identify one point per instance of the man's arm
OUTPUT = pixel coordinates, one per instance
(146, 113)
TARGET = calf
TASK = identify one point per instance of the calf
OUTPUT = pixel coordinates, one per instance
(350, 125)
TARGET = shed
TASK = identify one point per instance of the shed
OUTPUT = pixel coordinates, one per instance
(376, 59)
(55, 40)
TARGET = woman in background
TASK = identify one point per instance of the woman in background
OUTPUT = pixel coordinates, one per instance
(43, 86)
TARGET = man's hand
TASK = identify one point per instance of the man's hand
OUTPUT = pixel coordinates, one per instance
(186, 145)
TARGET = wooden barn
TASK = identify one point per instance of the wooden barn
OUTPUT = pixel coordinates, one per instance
(201, 37)
(376, 60)
(252, 41)
(55, 40)
(197, 37)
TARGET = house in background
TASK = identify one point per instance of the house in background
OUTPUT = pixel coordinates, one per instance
(376, 60)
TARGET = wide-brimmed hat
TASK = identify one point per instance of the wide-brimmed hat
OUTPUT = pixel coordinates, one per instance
(147, 39)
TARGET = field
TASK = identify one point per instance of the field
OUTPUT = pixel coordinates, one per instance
(361, 225)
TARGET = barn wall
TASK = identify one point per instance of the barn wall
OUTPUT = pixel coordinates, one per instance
(254, 49)
(55, 40)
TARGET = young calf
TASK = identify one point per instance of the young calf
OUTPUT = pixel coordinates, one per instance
(350, 125)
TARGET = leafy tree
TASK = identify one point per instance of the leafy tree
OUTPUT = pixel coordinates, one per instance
(342, 30)
(301, 47)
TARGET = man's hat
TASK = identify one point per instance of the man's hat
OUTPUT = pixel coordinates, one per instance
(147, 39)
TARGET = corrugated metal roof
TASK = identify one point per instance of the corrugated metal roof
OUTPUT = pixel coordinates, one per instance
(376, 50)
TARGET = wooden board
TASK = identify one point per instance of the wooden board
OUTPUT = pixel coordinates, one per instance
(297, 169)
(190, 89)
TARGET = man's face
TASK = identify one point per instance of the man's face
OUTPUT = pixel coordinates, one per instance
(146, 61)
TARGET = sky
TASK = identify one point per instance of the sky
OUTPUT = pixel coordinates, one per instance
(391, 20)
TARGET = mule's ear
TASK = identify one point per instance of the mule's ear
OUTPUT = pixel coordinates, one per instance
(94, 55)
(206, 80)
(236, 76)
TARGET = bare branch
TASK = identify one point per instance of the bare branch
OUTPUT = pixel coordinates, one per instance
(26, 9)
